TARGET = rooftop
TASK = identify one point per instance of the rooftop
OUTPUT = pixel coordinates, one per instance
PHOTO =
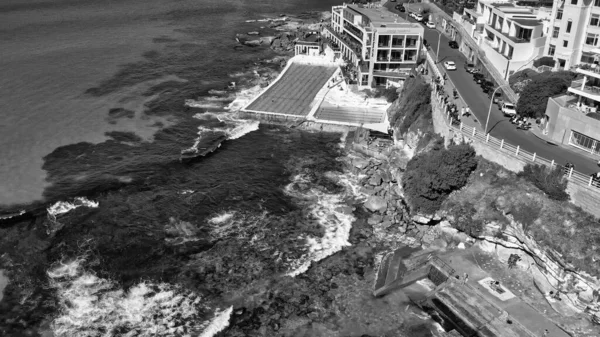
(381, 16)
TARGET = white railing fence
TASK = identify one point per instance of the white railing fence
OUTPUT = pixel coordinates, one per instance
(515, 151)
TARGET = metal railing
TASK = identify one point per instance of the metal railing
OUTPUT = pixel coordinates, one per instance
(502, 146)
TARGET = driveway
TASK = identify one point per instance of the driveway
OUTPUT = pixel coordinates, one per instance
(499, 126)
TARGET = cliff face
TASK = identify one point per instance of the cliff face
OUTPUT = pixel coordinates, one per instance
(502, 215)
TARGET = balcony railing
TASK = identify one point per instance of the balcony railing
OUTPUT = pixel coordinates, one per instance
(590, 88)
(577, 84)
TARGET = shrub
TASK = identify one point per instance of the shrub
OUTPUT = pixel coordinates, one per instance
(544, 61)
(551, 182)
(431, 176)
(465, 219)
(413, 104)
(534, 97)
(390, 94)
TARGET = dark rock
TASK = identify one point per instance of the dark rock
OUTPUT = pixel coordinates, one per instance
(375, 180)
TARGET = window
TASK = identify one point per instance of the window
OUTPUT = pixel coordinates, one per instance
(597, 3)
(573, 2)
(591, 39)
(569, 25)
(555, 31)
(595, 19)
(551, 50)
(565, 43)
(587, 58)
(559, 14)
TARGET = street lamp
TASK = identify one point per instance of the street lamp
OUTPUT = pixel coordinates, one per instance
(490, 110)
(407, 8)
(437, 52)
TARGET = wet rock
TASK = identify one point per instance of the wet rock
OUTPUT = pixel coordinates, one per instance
(253, 33)
(374, 219)
(360, 163)
(375, 203)
(420, 219)
(375, 180)
(253, 43)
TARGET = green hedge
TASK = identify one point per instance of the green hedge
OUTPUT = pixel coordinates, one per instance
(551, 182)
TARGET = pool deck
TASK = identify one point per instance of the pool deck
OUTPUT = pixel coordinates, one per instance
(313, 89)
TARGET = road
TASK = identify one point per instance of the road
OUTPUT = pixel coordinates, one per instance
(499, 126)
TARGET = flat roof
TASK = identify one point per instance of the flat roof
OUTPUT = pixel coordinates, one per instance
(527, 22)
(379, 15)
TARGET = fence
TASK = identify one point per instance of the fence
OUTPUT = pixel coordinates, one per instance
(511, 150)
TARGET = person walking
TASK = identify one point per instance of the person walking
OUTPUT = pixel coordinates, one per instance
(546, 333)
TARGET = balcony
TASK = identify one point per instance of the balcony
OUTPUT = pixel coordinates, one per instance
(345, 39)
(588, 70)
(513, 39)
(591, 89)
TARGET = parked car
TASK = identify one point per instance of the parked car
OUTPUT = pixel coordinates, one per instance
(450, 65)
(453, 44)
(508, 109)
(400, 8)
(469, 67)
(498, 99)
(418, 17)
(430, 24)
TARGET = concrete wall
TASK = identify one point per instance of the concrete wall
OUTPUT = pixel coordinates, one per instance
(586, 198)
(563, 120)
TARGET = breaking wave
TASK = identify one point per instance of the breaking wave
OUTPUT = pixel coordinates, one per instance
(334, 216)
(95, 306)
(63, 207)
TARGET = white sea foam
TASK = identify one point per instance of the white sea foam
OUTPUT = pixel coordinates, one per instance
(234, 127)
(218, 323)
(203, 104)
(63, 207)
(221, 218)
(327, 209)
(94, 306)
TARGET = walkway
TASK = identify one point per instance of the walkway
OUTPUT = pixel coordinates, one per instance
(294, 92)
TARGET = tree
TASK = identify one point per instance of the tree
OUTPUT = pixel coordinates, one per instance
(534, 97)
(413, 105)
(431, 176)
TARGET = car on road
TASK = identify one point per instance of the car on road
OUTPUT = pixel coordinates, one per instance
(508, 109)
(392, 0)
(453, 44)
(430, 24)
(400, 8)
(450, 65)
(418, 17)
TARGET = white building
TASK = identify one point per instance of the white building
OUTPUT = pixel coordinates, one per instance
(512, 36)
(383, 46)
(575, 29)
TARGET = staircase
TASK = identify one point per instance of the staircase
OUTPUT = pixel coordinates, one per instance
(398, 270)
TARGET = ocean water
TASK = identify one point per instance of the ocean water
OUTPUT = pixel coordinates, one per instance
(133, 242)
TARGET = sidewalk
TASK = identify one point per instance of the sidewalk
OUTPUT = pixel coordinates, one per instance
(459, 102)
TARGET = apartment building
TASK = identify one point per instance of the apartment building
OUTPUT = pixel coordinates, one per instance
(575, 30)
(512, 36)
(382, 46)
(574, 119)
